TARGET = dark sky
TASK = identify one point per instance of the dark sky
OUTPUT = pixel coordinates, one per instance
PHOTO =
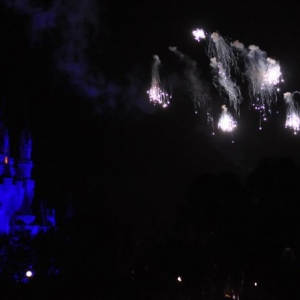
(81, 71)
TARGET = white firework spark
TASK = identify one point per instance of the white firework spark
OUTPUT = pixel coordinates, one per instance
(292, 112)
(199, 34)
(156, 93)
(225, 83)
(226, 121)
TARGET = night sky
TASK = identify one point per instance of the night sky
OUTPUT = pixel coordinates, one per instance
(80, 73)
(153, 193)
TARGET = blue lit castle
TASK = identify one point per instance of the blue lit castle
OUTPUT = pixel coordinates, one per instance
(17, 189)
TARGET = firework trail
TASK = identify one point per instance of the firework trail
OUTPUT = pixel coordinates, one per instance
(264, 75)
(156, 94)
(221, 49)
(222, 60)
(226, 121)
(224, 83)
(292, 112)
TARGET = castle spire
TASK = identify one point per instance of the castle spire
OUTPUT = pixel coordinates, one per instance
(25, 145)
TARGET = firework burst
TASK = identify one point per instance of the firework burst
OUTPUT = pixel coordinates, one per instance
(157, 95)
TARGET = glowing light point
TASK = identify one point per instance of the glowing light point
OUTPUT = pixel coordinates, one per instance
(29, 274)
(199, 34)
(255, 283)
(179, 279)
(226, 121)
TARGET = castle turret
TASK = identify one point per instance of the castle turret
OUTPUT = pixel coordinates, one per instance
(25, 164)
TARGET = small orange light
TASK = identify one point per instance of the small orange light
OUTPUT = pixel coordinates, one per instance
(6, 160)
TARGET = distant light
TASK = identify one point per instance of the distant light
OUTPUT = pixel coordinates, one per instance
(255, 283)
(179, 279)
(29, 274)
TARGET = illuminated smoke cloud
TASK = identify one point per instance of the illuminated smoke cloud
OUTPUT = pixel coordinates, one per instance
(292, 112)
(238, 45)
(77, 23)
(241, 53)
(79, 28)
(197, 89)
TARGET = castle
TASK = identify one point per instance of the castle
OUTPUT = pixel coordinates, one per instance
(17, 189)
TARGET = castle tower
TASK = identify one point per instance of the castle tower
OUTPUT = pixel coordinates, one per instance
(25, 164)
(17, 188)
(24, 170)
(11, 193)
